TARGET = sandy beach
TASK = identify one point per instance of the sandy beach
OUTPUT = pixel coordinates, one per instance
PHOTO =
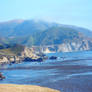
(24, 88)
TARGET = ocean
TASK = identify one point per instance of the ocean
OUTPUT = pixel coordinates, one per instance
(71, 72)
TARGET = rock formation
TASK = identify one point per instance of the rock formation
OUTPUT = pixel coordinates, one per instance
(17, 54)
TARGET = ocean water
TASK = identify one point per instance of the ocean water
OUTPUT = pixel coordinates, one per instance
(72, 73)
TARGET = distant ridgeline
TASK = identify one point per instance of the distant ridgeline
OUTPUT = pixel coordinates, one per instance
(45, 37)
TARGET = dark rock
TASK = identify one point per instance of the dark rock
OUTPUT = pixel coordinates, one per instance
(39, 59)
(1, 76)
(53, 57)
(27, 59)
(13, 62)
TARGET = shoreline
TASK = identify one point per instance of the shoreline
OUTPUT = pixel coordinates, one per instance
(24, 88)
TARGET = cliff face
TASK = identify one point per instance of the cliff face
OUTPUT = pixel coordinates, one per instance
(51, 37)
(82, 45)
(12, 55)
(75, 46)
(29, 52)
(42, 37)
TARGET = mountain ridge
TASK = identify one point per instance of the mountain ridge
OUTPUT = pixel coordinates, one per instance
(39, 33)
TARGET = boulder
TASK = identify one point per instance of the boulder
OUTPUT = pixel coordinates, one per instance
(27, 59)
(53, 57)
(1, 76)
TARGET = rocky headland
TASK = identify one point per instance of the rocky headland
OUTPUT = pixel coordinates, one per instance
(19, 53)
(70, 46)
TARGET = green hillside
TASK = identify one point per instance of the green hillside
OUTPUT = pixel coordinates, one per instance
(13, 50)
(55, 35)
(30, 32)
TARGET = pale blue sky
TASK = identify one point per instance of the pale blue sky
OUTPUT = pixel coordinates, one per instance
(72, 12)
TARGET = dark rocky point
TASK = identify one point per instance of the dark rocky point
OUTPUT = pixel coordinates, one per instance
(1, 76)
(53, 57)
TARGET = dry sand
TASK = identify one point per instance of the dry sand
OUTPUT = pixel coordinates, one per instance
(24, 88)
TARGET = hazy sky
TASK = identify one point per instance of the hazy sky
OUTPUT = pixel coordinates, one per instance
(72, 12)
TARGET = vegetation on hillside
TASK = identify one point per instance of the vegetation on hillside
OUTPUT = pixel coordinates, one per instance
(12, 50)
(55, 35)
(30, 32)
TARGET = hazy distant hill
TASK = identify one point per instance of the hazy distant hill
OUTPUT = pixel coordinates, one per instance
(17, 28)
(7, 28)
(40, 33)
(27, 27)
(85, 31)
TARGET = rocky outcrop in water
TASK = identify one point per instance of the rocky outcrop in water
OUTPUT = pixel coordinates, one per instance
(17, 54)
(1, 76)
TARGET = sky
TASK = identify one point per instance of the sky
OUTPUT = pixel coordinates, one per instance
(71, 12)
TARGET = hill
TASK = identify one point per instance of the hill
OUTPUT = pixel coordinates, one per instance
(59, 39)
(18, 28)
(55, 36)
(39, 33)
(27, 27)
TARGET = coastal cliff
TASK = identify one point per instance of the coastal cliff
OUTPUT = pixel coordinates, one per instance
(82, 45)
(17, 53)
(46, 37)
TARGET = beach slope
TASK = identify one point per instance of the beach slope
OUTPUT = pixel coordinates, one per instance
(24, 88)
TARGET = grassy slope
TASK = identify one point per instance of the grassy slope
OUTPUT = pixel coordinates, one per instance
(12, 51)
(55, 35)
(24, 88)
